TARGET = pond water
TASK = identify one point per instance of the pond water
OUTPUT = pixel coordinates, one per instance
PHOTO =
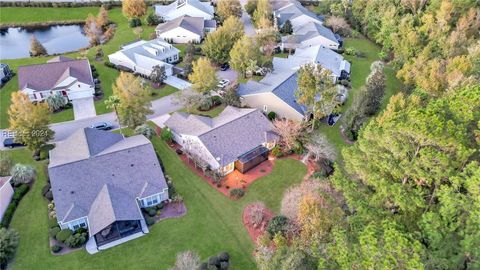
(15, 42)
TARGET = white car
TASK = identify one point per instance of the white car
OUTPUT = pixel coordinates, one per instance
(223, 83)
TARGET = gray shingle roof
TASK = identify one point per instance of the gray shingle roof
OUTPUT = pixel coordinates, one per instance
(283, 84)
(103, 166)
(192, 24)
(290, 10)
(310, 31)
(46, 76)
(229, 135)
(210, 24)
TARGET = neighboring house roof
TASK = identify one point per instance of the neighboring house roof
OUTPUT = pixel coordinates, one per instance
(101, 174)
(210, 24)
(147, 54)
(167, 11)
(317, 55)
(282, 84)
(192, 24)
(290, 10)
(310, 31)
(229, 135)
(4, 180)
(47, 76)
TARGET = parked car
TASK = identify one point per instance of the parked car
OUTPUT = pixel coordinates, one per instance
(224, 67)
(10, 143)
(102, 126)
(223, 83)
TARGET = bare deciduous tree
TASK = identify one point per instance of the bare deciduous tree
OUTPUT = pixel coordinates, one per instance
(256, 213)
(293, 196)
(289, 132)
(320, 148)
(188, 99)
(339, 25)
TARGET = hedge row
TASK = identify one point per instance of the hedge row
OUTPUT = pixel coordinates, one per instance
(18, 194)
(40, 25)
(106, 4)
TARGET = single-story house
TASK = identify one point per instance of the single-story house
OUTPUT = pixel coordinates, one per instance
(60, 75)
(141, 56)
(274, 93)
(101, 180)
(185, 29)
(316, 55)
(192, 8)
(294, 12)
(236, 139)
(6, 193)
(311, 34)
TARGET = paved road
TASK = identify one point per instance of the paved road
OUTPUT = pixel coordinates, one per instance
(63, 130)
(247, 22)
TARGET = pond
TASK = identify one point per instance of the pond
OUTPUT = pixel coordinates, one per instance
(15, 42)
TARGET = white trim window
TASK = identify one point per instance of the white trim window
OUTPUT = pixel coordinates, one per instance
(77, 224)
(151, 201)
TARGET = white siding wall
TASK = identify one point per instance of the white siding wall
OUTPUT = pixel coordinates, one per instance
(6, 193)
(273, 104)
(180, 35)
(194, 145)
(74, 224)
(154, 199)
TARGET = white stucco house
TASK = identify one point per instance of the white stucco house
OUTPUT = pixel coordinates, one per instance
(6, 193)
(141, 56)
(101, 181)
(236, 139)
(185, 29)
(192, 8)
(61, 75)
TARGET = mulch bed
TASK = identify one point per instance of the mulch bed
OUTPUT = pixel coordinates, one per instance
(65, 248)
(172, 210)
(255, 232)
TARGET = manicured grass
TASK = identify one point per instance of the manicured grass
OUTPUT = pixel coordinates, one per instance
(359, 71)
(213, 222)
(123, 34)
(242, 79)
(211, 113)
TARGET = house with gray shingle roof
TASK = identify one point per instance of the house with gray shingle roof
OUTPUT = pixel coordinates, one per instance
(101, 180)
(178, 8)
(60, 75)
(185, 29)
(294, 12)
(276, 91)
(141, 56)
(238, 138)
(311, 34)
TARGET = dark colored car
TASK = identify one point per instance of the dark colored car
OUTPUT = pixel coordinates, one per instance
(10, 143)
(224, 67)
(102, 126)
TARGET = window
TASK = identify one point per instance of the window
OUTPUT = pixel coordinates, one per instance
(153, 200)
(265, 108)
(77, 224)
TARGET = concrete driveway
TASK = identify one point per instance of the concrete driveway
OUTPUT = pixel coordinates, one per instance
(177, 82)
(83, 108)
(228, 74)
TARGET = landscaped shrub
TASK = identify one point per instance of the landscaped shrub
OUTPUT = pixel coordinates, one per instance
(216, 100)
(204, 266)
(46, 189)
(76, 240)
(8, 215)
(237, 193)
(224, 265)
(81, 230)
(153, 20)
(19, 192)
(167, 135)
(56, 248)
(5, 165)
(277, 224)
(214, 260)
(256, 214)
(49, 195)
(151, 211)
(149, 220)
(160, 206)
(52, 222)
(135, 22)
(22, 174)
(110, 65)
(63, 235)
(224, 256)
(8, 245)
(54, 231)
(276, 151)
(145, 130)
(272, 115)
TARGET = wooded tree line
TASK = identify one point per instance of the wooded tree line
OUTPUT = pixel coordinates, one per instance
(434, 44)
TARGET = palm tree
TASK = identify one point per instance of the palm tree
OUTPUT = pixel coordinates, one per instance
(112, 103)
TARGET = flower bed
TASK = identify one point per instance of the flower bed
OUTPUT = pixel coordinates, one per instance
(259, 227)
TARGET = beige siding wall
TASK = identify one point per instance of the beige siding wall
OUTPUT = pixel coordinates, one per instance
(273, 103)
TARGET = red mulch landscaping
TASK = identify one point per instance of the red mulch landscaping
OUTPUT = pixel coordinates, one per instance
(252, 231)
(234, 179)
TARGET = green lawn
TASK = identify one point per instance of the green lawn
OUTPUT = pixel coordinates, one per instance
(107, 75)
(211, 113)
(213, 222)
(359, 71)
